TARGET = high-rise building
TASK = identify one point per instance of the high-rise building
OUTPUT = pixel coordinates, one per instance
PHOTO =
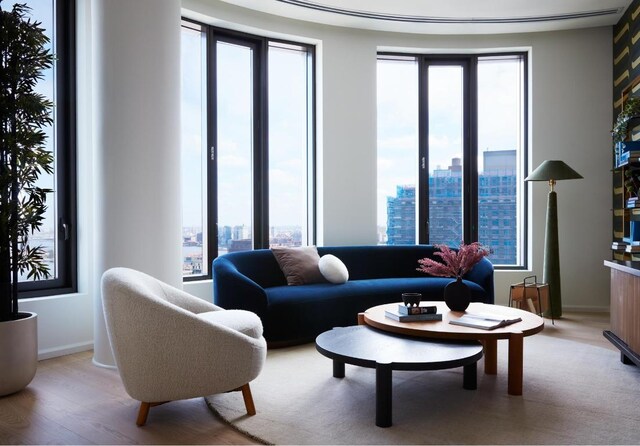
(497, 207)
(401, 216)
(224, 236)
(445, 205)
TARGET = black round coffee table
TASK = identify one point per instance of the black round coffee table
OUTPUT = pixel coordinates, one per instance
(367, 347)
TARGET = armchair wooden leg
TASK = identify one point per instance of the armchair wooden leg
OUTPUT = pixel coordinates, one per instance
(248, 399)
(143, 413)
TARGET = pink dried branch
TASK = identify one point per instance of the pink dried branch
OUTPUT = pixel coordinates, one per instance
(454, 263)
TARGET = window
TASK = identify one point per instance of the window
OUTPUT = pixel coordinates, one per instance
(451, 150)
(397, 107)
(247, 144)
(501, 149)
(58, 233)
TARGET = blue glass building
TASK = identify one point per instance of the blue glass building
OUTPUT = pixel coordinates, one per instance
(497, 207)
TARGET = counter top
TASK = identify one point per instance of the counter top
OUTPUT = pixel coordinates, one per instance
(630, 267)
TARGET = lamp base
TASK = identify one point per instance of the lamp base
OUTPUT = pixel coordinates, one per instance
(551, 268)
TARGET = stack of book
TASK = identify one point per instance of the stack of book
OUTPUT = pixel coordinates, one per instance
(633, 202)
(627, 151)
(619, 246)
(413, 314)
(625, 245)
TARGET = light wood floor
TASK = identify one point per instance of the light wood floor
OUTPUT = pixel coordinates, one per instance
(71, 401)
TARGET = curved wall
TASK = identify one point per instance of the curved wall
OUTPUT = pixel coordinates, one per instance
(570, 119)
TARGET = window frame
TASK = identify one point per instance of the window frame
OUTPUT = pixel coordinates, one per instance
(260, 137)
(65, 159)
(470, 177)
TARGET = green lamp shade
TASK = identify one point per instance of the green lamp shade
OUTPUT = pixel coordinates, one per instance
(553, 170)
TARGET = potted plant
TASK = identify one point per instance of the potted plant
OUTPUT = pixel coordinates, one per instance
(630, 110)
(23, 158)
(455, 263)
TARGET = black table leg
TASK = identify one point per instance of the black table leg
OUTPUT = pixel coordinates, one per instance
(470, 376)
(338, 369)
(383, 394)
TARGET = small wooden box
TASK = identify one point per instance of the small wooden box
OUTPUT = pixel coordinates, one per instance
(530, 295)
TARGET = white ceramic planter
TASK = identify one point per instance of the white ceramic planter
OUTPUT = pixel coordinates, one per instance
(18, 353)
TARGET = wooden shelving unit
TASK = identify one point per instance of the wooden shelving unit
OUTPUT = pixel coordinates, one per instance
(625, 268)
(625, 310)
(621, 215)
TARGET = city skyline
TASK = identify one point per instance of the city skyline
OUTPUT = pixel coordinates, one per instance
(497, 209)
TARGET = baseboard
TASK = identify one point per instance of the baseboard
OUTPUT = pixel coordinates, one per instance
(64, 350)
(586, 308)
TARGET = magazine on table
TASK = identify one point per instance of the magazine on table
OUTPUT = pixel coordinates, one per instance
(484, 321)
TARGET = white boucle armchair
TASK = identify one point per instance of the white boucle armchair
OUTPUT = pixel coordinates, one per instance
(169, 345)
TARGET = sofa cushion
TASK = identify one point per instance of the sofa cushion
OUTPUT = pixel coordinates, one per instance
(243, 321)
(299, 265)
(366, 291)
(333, 269)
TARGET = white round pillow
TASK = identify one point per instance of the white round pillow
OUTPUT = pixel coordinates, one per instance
(333, 269)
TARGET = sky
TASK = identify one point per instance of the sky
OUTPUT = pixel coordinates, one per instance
(287, 133)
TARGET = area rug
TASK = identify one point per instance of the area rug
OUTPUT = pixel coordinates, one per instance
(574, 393)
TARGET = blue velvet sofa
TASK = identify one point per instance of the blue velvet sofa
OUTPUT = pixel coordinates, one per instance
(252, 280)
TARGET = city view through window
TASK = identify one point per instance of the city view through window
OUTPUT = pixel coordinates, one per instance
(43, 11)
(500, 108)
(236, 180)
(496, 198)
(500, 99)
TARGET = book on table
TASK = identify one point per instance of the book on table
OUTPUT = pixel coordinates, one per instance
(484, 321)
(412, 317)
(421, 309)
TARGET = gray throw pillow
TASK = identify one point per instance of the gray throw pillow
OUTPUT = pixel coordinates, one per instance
(299, 265)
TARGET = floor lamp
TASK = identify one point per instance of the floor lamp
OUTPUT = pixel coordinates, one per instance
(552, 171)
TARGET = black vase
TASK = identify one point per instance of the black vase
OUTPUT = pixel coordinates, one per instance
(457, 295)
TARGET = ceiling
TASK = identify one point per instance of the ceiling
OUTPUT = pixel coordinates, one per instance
(448, 16)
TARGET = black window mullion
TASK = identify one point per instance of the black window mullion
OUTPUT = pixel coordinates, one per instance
(423, 152)
(470, 161)
(260, 147)
(311, 144)
(212, 146)
(67, 164)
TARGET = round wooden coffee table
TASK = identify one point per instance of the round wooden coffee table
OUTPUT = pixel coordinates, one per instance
(514, 333)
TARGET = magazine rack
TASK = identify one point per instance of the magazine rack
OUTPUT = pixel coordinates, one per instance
(531, 295)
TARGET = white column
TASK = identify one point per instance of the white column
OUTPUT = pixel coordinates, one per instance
(137, 145)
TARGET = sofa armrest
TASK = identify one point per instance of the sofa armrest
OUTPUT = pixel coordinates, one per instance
(482, 274)
(234, 290)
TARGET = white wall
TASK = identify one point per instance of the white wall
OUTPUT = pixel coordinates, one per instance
(571, 103)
